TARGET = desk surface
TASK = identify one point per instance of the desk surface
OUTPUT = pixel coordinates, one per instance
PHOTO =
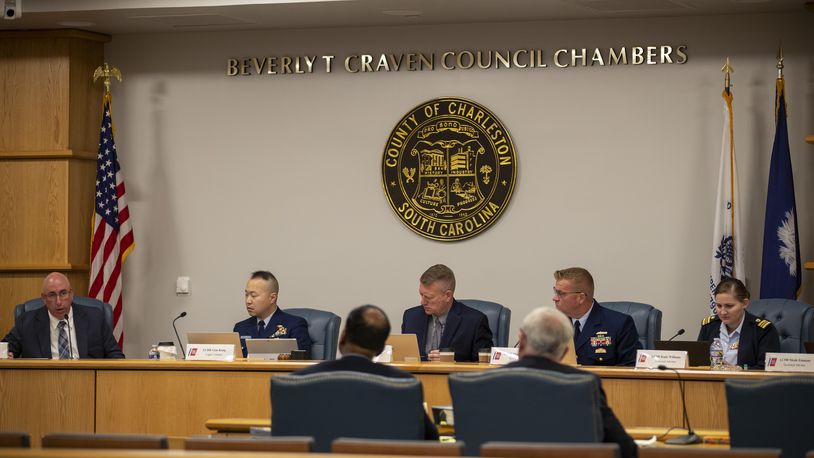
(698, 373)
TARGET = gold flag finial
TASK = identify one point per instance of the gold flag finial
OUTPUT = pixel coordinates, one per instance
(780, 61)
(728, 70)
(106, 71)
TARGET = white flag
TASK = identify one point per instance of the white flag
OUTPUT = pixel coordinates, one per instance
(727, 252)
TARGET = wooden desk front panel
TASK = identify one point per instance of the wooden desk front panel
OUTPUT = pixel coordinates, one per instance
(41, 401)
(657, 402)
(177, 403)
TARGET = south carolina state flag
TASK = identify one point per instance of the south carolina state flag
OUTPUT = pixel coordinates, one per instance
(780, 276)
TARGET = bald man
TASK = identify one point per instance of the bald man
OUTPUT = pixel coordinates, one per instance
(61, 329)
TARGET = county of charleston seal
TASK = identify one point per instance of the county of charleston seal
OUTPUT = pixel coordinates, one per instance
(449, 169)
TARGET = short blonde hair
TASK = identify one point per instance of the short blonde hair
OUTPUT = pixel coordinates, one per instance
(440, 273)
(581, 279)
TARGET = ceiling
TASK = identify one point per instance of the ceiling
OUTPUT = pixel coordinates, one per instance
(151, 16)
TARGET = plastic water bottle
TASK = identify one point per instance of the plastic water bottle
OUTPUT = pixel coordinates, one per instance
(716, 355)
(153, 353)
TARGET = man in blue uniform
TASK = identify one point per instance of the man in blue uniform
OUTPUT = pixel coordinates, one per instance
(544, 337)
(267, 320)
(602, 337)
(442, 322)
(364, 336)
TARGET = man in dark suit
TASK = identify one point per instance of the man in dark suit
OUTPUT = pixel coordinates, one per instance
(61, 329)
(366, 331)
(602, 337)
(441, 322)
(267, 320)
(544, 337)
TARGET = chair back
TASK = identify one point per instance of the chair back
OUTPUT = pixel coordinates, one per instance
(525, 405)
(794, 321)
(15, 440)
(646, 318)
(549, 450)
(499, 317)
(337, 404)
(391, 447)
(34, 304)
(323, 327)
(250, 444)
(106, 441)
(771, 413)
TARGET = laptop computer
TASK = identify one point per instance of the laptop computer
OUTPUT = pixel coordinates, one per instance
(404, 345)
(697, 352)
(220, 338)
(269, 349)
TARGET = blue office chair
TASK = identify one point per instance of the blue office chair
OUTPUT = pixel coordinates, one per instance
(338, 404)
(34, 304)
(323, 327)
(499, 317)
(794, 321)
(646, 318)
(771, 413)
(524, 405)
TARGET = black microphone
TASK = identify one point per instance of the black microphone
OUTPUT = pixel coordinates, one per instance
(680, 332)
(690, 437)
(70, 344)
(183, 352)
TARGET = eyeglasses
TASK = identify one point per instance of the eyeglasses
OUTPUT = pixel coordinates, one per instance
(62, 295)
(562, 294)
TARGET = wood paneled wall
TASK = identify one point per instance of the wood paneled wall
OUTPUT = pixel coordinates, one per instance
(50, 112)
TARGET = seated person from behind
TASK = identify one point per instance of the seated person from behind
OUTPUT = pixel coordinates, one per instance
(442, 322)
(61, 329)
(364, 336)
(544, 337)
(267, 320)
(602, 337)
(745, 338)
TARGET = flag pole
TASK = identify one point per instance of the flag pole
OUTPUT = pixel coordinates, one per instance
(106, 71)
(780, 81)
(728, 70)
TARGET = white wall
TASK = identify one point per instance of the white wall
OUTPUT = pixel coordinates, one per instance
(617, 166)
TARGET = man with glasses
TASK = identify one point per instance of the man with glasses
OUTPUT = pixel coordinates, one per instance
(61, 329)
(602, 337)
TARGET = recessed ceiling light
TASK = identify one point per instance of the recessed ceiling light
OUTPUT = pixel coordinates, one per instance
(403, 13)
(76, 24)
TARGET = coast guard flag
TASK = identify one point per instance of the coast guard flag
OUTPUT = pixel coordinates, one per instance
(780, 275)
(112, 238)
(727, 254)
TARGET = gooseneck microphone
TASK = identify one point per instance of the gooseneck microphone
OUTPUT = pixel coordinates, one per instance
(70, 342)
(678, 333)
(690, 437)
(183, 352)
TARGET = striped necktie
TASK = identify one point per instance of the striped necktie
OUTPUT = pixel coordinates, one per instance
(64, 345)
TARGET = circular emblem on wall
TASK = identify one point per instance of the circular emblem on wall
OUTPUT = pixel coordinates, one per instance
(449, 169)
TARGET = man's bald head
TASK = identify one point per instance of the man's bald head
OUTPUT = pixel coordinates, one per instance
(57, 294)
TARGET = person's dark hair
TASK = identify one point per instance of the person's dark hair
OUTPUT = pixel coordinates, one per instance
(733, 286)
(367, 326)
(267, 276)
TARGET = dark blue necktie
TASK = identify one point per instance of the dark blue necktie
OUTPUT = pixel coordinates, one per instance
(261, 326)
(577, 330)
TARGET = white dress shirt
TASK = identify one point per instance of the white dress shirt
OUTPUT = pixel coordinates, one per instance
(731, 342)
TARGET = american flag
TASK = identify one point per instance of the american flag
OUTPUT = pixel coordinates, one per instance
(112, 238)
